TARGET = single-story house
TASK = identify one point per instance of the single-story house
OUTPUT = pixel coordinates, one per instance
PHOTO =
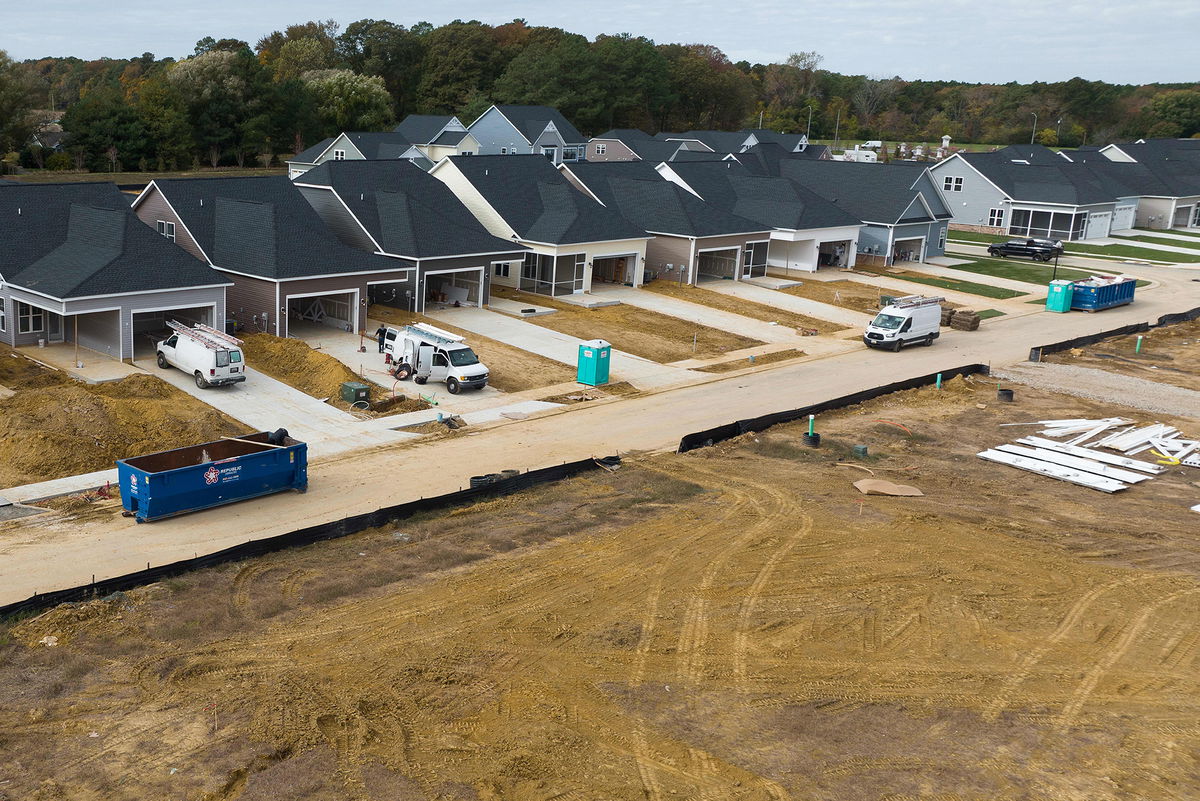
(807, 231)
(289, 272)
(1169, 188)
(903, 216)
(1024, 191)
(76, 265)
(508, 130)
(693, 241)
(354, 145)
(396, 209)
(573, 239)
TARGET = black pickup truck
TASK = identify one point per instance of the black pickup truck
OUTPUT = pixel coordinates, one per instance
(1036, 249)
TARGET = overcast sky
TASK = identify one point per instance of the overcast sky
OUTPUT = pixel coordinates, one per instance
(1131, 41)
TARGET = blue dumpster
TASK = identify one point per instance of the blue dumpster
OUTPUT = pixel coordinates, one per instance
(1058, 298)
(594, 356)
(1101, 293)
(197, 477)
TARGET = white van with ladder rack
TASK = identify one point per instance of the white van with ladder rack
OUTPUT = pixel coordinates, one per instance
(212, 357)
(906, 320)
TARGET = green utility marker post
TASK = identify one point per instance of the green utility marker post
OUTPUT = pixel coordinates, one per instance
(1138, 347)
(811, 422)
(939, 380)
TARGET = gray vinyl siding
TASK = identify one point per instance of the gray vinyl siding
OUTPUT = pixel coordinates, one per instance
(338, 218)
(98, 331)
(493, 131)
(550, 139)
(977, 198)
(914, 231)
(248, 297)
(154, 207)
(153, 301)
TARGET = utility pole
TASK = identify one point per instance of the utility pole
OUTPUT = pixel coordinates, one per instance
(837, 127)
(760, 116)
(808, 133)
(1033, 135)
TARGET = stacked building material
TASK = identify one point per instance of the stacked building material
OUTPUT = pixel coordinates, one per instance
(965, 320)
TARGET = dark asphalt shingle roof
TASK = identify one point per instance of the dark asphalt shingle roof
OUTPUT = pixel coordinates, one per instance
(654, 151)
(651, 202)
(372, 145)
(449, 138)
(79, 240)
(1058, 181)
(309, 155)
(720, 141)
(625, 135)
(1174, 163)
(531, 122)
(406, 210)
(421, 129)
(263, 227)
(776, 202)
(879, 193)
(539, 204)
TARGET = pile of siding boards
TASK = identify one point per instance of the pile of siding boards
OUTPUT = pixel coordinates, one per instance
(1097, 453)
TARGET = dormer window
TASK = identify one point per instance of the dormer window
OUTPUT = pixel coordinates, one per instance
(339, 155)
(952, 183)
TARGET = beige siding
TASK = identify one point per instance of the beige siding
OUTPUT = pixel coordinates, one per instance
(470, 197)
(614, 150)
(154, 207)
(673, 250)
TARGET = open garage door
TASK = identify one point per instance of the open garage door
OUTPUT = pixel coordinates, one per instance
(150, 327)
(307, 313)
(833, 254)
(716, 265)
(908, 250)
(442, 288)
(613, 270)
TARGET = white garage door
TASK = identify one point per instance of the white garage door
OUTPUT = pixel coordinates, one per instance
(1123, 218)
(1098, 224)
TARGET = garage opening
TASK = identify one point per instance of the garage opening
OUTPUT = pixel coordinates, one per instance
(833, 254)
(307, 313)
(397, 294)
(613, 270)
(717, 265)
(453, 288)
(1098, 224)
(150, 328)
(908, 250)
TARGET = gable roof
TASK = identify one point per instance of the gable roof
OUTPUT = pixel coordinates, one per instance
(880, 193)
(655, 151)
(645, 198)
(310, 155)
(1057, 181)
(372, 144)
(422, 129)
(406, 210)
(262, 227)
(449, 138)
(531, 121)
(775, 202)
(720, 141)
(539, 204)
(81, 240)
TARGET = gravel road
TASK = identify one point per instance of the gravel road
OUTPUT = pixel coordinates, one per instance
(1122, 390)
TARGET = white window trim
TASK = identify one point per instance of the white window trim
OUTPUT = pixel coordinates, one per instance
(502, 268)
(339, 155)
(952, 183)
(167, 229)
(3, 315)
(996, 218)
(601, 148)
(26, 311)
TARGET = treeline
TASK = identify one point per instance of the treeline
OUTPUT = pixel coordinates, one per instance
(231, 103)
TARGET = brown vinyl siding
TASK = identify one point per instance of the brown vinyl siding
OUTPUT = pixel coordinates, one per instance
(248, 297)
(614, 150)
(154, 207)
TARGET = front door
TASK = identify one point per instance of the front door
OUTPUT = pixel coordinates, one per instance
(54, 327)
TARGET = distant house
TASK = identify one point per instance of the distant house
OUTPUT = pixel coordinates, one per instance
(792, 143)
(574, 240)
(516, 130)
(1168, 184)
(353, 145)
(1030, 191)
(633, 145)
(904, 218)
(289, 272)
(693, 241)
(396, 209)
(436, 136)
(76, 265)
(807, 231)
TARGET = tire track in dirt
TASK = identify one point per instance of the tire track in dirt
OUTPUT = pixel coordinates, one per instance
(1070, 711)
(1073, 617)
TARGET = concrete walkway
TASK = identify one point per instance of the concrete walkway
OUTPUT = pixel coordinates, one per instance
(98, 368)
(705, 315)
(517, 308)
(1127, 237)
(793, 303)
(265, 404)
(767, 282)
(68, 485)
(642, 373)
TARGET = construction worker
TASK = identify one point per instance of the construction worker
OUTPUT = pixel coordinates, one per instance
(379, 335)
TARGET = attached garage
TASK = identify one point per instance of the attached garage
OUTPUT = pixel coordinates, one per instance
(1098, 224)
(614, 269)
(714, 265)
(909, 249)
(397, 294)
(462, 287)
(1123, 218)
(833, 254)
(150, 327)
(333, 310)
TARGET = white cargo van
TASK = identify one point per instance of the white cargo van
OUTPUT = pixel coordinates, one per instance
(212, 357)
(909, 319)
(427, 353)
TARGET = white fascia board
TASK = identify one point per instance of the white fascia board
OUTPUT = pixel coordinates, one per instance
(178, 216)
(563, 168)
(117, 294)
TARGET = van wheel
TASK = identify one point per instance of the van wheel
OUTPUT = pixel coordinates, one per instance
(452, 386)
(162, 361)
(928, 341)
(200, 382)
(896, 346)
(419, 379)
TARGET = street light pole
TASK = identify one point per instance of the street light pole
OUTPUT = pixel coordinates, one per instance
(1033, 135)
(1057, 128)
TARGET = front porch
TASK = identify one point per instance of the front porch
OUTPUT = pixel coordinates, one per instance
(79, 362)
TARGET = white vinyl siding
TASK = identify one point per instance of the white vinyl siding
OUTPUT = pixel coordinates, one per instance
(3, 316)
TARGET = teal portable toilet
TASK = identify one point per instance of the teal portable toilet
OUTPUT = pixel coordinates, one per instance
(594, 356)
(1058, 299)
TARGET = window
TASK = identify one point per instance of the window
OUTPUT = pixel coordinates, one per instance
(440, 360)
(30, 319)
(166, 229)
(467, 153)
(601, 148)
(504, 151)
(952, 183)
(3, 316)
(502, 269)
(942, 239)
(339, 155)
(996, 218)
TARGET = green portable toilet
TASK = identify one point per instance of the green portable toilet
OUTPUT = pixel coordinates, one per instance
(594, 356)
(1058, 299)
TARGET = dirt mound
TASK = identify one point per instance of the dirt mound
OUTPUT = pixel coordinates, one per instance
(295, 363)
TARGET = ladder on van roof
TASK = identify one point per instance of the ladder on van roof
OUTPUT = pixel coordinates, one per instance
(207, 336)
(914, 301)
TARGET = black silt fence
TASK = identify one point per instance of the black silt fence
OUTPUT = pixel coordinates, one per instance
(703, 439)
(1036, 354)
(305, 536)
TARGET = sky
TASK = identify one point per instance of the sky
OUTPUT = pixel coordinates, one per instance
(1125, 41)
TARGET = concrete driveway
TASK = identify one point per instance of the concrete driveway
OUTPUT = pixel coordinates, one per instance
(792, 303)
(705, 315)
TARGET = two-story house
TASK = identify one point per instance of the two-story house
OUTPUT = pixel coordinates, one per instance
(508, 130)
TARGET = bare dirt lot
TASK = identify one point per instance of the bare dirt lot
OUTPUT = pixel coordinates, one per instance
(53, 426)
(1170, 355)
(847, 294)
(644, 333)
(509, 369)
(733, 623)
(747, 308)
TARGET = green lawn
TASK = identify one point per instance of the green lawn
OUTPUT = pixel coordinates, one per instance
(1173, 231)
(974, 236)
(1021, 270)
(1117, 252)
(969, 287)
(1178, 243)
(986, 313)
